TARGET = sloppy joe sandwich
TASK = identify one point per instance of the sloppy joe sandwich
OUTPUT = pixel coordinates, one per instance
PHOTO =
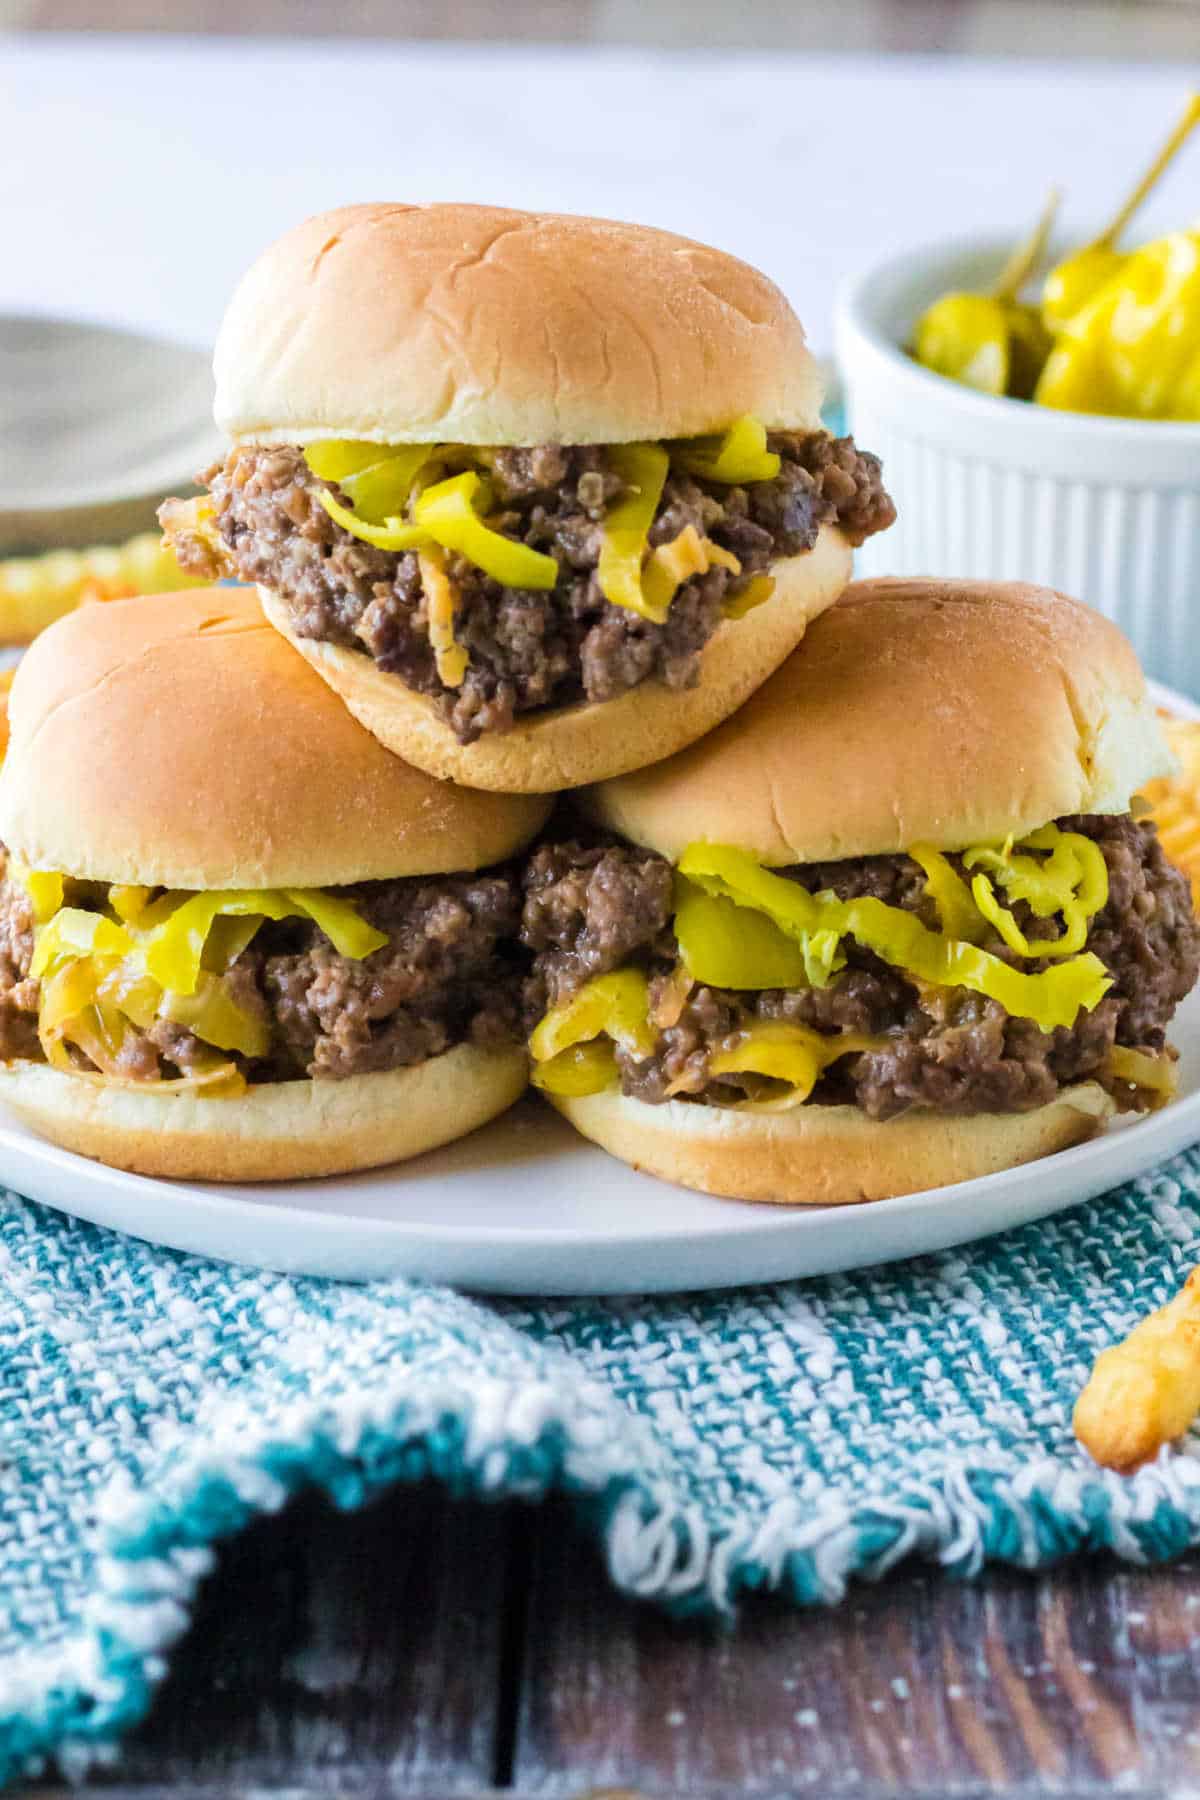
(543, 498)
(238, 938)
(896, 924)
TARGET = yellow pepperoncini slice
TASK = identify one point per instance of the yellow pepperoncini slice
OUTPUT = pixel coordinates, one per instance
(73, 933)
(737, 456)
(73, 1012)
(339, 459)
(69, 990)
(818, 922)
(377, 479)
(393, 534)
(581, 1069)
(175, 948)
(623, 542)
(226, 941)
(211, 1013)
(793, 1055)
(614, 1006)
(164, 959)
(727, 946)
(446, 511)
(959, 915)
(757, 590)
(127, 986)
(44, 888)
(672, 564)
(129, 903)
(1072, 880)
(101, 1033)
(441, 599)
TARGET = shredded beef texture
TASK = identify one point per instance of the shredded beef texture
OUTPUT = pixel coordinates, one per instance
(447, 975)
(592, 908)
(588, 911)
(527, 649)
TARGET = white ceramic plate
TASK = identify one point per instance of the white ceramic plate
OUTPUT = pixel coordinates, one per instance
(96, 426)
(527, 1207)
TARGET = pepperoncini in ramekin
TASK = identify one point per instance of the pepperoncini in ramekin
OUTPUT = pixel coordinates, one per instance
(994, 342)
(1133, 351)
(1113, 331)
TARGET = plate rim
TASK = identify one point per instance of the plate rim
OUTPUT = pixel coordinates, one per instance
(18, 504)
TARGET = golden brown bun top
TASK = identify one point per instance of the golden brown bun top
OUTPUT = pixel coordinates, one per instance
(481, 325)
(180, 741)
(944, 712)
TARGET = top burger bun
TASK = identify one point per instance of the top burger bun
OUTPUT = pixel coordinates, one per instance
(178, 741)
(481, 325)
(916, 711)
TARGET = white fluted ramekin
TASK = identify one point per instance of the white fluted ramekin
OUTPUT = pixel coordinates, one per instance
(1105, 509)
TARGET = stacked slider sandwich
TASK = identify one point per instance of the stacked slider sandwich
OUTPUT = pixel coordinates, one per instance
(544, 499)
(894, 925)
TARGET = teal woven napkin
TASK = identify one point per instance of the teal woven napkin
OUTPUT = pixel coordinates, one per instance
(789, 1437)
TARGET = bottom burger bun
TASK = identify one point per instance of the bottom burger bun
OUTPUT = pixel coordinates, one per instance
(278, 1131)
(572, 745)
(827, 1155)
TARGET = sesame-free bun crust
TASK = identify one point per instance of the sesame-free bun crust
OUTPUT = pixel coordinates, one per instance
(827, 1155)
(916, 711)
(482, 325)
(277, 1131)
(571, 745)
(178, 741)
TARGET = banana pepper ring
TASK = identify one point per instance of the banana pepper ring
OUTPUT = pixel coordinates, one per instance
(1073, 881)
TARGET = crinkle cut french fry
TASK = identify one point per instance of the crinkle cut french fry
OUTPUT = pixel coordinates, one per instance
(1145, 1392)
(36, 590)
(1174, 802)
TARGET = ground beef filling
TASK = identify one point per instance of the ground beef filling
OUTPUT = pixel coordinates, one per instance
(528, 649)
(592, 908)
(447, 975)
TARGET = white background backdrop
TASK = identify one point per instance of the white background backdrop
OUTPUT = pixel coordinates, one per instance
(137, 178)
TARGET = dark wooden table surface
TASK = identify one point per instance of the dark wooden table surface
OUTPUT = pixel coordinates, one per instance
(426, 1647)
